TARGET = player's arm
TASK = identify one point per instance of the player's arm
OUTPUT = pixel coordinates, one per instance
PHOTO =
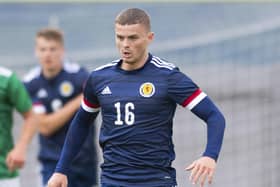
(76, 136)
(205, 166)
(185, 92)
(50, 123)
(17, 156)
(19, 97)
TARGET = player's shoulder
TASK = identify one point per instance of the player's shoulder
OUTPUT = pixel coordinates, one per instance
(5, 72)
(106, 67)
(162, 64)
(72, 67)
(34, 73)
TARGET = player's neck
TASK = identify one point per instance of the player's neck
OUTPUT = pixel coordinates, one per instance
(51, 73)
(130, 66)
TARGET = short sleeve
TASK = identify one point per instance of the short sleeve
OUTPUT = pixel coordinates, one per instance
(90, 102)
(183, 90)
(82, 77)
(18, 95)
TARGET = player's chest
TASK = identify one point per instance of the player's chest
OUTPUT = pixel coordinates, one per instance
(53, 95)
(138, 92)
(130, 102)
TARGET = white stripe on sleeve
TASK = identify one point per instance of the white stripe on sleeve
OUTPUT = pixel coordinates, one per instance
(196, 100)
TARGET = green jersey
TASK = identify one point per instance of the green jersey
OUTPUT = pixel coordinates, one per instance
(12, 95)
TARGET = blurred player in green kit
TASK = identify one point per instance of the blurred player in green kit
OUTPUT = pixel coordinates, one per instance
(13, 95)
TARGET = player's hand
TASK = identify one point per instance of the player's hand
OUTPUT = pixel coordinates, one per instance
(15, 158)
(201, 169)
(58, 180)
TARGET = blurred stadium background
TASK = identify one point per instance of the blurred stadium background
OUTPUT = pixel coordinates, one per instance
(232, 50)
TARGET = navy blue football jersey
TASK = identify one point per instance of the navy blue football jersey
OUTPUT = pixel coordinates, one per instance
(49, 95)
(137, 117)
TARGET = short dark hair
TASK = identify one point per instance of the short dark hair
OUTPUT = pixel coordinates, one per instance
(51, 34)
(133, 16)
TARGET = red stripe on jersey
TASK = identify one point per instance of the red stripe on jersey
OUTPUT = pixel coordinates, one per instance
(36, 103)
(192, 97)
(90, 105)
(38, 108)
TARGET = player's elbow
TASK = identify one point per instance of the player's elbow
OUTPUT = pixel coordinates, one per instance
(221, 120)
(44, 125)
(45, 131)
(224, 121)
(217, 120)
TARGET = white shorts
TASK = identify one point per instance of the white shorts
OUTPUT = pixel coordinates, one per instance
(13, 182)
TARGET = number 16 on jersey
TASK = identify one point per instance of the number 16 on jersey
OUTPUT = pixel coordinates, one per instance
(129, 117)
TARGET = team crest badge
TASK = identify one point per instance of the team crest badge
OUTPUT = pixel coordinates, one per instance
(147, 89)
(66, 89)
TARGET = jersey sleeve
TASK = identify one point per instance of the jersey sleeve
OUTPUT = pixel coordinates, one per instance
(82, 77)
(183, 90)
(209, 112)
(18, 95)
(90, 101)
(37, 106)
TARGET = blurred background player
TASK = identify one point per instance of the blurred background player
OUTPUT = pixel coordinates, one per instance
(138, 95)
(13, 95)
(55, 88)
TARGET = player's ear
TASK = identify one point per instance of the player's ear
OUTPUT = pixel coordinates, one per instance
(61, 48)
(62, 54)
(151, 36)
